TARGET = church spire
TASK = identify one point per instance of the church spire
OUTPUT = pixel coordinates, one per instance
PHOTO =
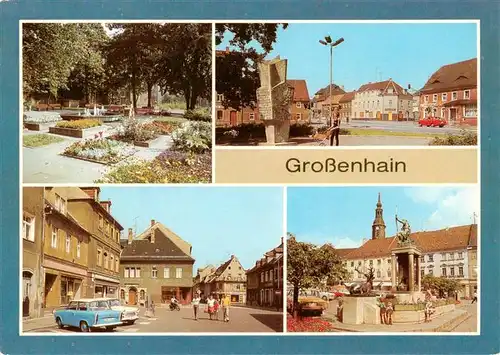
(378, 226)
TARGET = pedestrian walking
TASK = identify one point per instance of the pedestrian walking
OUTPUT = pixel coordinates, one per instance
(474, 299)
(211, 306)
(226, 303)
(153, 307)
(216, 309)
(335, 128)
(196, 305)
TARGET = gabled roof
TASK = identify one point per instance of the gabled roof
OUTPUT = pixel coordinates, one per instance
(162, 248)
(383, 86)
(453, 238)
(323, 92)
(348, 97)
(178, 241)
(300, 92)
(272, 257)
(461, 75)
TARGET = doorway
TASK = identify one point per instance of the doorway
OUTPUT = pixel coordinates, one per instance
(27, 277)
(132, 296)
(233, 121)
(453, 114)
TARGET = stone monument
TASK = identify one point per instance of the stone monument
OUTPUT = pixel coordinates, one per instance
(405, 275)
(274, 98)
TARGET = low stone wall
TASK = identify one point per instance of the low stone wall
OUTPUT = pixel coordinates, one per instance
(102, 119)
(34, 126)
(77, 133)
(412, 316)
(361, 310)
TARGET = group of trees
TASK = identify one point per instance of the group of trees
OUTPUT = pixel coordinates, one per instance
(97, 58)
(441, 285)
(237, 70)
(311, 266)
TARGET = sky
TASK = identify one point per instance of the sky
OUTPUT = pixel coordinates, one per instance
(407, 53)
(343, 216)
(217, 221)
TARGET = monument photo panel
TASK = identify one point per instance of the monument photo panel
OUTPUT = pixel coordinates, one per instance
(316, 83)
(383, 259)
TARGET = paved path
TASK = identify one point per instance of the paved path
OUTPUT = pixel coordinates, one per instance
(369, 141)
(46, 165)
(242, 319)
(470, 324)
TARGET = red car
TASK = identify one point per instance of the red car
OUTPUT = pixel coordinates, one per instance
(431, 122)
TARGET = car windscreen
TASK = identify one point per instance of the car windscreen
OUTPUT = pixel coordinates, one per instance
(98, 305)
(114, 303)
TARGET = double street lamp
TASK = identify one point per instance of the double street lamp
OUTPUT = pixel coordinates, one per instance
(328, 42)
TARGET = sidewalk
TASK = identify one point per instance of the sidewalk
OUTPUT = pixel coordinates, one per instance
(38, 323)
(272, 309)
(443, 323)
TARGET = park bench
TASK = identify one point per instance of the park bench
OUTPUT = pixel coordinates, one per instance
(54, 106)
(42, 107)
(115, 108)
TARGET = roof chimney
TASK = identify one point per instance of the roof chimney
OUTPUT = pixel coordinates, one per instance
(227, 49)
(130, 236)
(152, 236)
(106, 205)
(153, 222)
(92, 191)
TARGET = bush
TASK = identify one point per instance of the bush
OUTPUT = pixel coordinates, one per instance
(193, 136)
(79, 124)
(133, 130)
(104, 150)
(301, 130)
(168, 167)
(463, 138)
(164, 127)
(198, 115)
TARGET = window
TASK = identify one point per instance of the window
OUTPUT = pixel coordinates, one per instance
(431, 257)
(466, 94)
(220, 97)
(444, 97)
(101, 222)
(78, 249)
(443, 271)
(460, 255)
(138, 272)
(99, 257)
(434, 98)
(111, 262)
(451, 256)
(352, 263)
(105, 260)
(117, 265)
(270, 276)
(262, 277)
(298, 116)
(371, 262)
(298, 104)
(359, 263)
(53, 242)
(461, 271)
(378, 273)
(422, 259)
(442, 112)
(452, 271)
(60, 204)
(389, 273)
(132, 272)
(251, 116)
(422, 273)
(379, 262)
(154, 272)
(126, 272)
(470, 111)
(166, 273)
(106, 230)
(443, 256)
(431, 272)
(68, 243)
(390, 102)
(112, 233)
(29, 228)
(426, 98)
(454, 96)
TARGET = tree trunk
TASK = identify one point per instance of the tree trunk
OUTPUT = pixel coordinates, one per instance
(187, 98)
(194, 96)
(295, 300)
(150, 90)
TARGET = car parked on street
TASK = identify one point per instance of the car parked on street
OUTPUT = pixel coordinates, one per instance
(88, 314)
(432, 122)
(130, 314)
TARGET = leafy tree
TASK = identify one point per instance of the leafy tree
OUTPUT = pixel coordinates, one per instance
(237, 77)
(186, 64)
(440, 284)
(309, 265)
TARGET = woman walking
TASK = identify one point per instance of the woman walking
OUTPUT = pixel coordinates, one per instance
(196, 305)
(211, 306)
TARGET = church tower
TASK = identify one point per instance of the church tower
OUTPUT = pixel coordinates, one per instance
(378, 226)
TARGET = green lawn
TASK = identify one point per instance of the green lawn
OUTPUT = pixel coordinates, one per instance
(38, 140)
(379, 132)
(179, 105)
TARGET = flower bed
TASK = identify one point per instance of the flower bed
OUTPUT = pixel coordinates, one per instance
(37, 121)
(103, 151)
(193, 136)
(168, 167)
(308, 325)
(79, 124)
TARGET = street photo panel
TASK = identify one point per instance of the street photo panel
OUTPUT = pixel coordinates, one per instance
(347, 84)
(152, 260)
(107, 102)
(383, 259)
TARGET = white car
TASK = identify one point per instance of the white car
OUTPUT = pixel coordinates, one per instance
(129, 314)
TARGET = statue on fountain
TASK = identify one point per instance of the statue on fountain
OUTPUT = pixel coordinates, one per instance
(366, 287)
(403, 236)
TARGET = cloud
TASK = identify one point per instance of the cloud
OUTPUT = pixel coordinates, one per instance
(451, 206)
(337, 242)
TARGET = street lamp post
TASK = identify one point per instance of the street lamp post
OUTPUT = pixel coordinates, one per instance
(328, 42)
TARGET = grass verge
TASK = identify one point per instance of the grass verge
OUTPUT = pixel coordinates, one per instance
(39, 140)
(380, 132)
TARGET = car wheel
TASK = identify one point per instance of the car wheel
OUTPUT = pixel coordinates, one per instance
(84, 327)
(60, 325)
(325, 298)
(130, 322)
(110, 328)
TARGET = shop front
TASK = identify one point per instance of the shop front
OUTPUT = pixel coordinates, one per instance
(62, 283)
(105, 286)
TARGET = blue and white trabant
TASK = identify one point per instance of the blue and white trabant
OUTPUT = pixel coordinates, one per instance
(129, 314)
(88, 314)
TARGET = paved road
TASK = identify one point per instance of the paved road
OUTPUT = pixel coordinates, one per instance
(470, 324)
(241, 320)
(346, 141)
(403, 126)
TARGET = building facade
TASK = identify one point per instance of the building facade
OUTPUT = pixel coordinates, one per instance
(265, 280)
(345, 103)
(320, 103)
(384, 100)
(104, 247)
(451, 93)
(156, 263)
(301, 105)
(446, 253)
(32, 232)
